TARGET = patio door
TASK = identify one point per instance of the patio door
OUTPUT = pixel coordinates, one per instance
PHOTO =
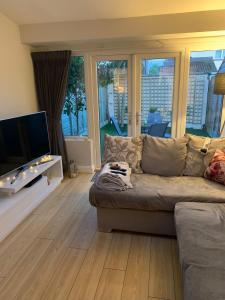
(113, 99)
(157, 91)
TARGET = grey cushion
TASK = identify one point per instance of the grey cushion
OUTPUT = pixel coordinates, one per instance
(197, 162)
(158, 193)
(201, 237)
(165, 157)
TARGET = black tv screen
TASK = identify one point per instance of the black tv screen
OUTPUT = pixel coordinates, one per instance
(22, 139)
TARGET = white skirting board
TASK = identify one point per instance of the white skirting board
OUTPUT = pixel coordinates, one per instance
(15, 207)
(86, 169)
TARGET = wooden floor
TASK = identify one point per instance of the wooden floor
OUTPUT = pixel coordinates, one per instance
(57, 253)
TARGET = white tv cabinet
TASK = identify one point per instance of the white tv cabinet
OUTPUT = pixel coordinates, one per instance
(17, 201)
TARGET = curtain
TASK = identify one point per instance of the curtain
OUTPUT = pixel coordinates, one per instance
(51, 73)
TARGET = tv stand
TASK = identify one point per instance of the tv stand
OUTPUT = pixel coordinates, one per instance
(16, 201)
(36, 179)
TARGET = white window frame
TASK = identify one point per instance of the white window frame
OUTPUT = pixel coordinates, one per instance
(199, 46)
(157, 48)
(95, 105)
(175, 100)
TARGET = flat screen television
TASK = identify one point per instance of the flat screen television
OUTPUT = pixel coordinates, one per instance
(22, 140)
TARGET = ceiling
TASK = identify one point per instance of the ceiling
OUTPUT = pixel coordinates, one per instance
(47, 11)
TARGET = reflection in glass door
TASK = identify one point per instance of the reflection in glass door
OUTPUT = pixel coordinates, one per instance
(112, 78)
(157, 94)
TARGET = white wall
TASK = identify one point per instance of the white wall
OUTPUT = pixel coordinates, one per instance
(81, 151)
(17, 91)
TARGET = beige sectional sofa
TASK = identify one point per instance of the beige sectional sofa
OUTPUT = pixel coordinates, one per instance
(149, 206)
(173, 181)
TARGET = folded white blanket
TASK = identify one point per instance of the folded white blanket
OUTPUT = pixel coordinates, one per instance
(114, 182)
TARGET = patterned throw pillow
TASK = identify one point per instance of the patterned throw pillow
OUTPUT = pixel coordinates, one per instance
(197, 161)
(216, 168)
(127, 149)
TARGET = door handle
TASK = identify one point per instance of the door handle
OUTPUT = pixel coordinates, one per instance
(129, 118)
(138, 115)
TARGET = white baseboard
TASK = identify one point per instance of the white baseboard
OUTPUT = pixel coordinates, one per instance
(86, 169)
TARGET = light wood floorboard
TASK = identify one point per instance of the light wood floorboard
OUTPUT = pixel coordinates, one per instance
(62, 281)
(57, 253)
(177, 271)
(24, 269)
(137, 273)
(119, 251)
(86, 231)
(88, 278)
(161, 283)
(110, 285)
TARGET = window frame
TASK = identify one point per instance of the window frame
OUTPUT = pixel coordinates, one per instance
(175, 103)
(182, 46)
(95, 104)
(200, 46)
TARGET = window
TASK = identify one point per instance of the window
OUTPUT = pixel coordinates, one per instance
(204, 108)
(74, 115)
(157, 87)
(112, 76)
(218, 54)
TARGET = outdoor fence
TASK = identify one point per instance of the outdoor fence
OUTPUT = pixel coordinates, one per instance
(203, 107)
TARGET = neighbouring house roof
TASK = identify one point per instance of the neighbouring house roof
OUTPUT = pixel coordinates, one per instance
(202, 65)
(199, 66)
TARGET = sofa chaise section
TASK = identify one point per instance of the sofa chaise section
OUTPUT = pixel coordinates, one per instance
(201, 238)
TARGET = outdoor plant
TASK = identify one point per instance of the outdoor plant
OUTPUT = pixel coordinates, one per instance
(75, 100)
(153, 109)
(106, 77)
(105, 70)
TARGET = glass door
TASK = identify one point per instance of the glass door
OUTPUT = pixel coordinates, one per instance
(158, 94)
(204, 111)
(113, 98)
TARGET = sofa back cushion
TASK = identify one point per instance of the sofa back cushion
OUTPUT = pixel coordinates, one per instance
(126, 149)
(164, 156)
(198, 161)
(216, 169)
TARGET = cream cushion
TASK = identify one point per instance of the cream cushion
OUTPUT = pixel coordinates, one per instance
(196, 161)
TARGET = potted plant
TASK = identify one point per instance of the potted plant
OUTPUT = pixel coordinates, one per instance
(154, 116)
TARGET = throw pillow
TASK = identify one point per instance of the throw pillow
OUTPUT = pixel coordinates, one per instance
(216, 168)
(197, 161)
(165, 157)
(127, 149)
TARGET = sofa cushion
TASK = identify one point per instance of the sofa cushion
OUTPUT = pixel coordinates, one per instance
(200, 231)
(157, 193)
(164, 156)
(127, 149)
(216, 169)
(196, 161)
